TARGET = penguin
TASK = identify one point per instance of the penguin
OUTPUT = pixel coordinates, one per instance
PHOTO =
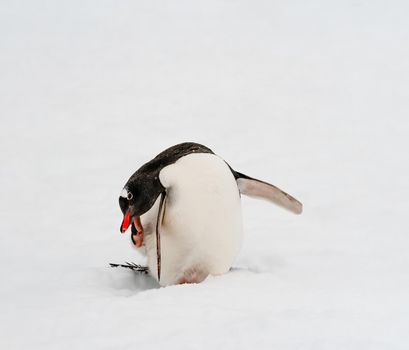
(184, 210)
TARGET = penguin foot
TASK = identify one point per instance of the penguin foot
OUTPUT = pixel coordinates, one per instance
(137, 239)
(193, 276)
(137, 234)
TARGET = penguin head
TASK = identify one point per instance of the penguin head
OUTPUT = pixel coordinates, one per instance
(138, 196)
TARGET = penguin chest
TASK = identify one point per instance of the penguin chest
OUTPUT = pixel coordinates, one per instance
(201, 230)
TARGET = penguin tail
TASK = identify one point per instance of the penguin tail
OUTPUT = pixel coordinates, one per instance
(263, 190)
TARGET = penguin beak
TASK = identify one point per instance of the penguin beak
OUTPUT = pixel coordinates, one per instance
(126, 222)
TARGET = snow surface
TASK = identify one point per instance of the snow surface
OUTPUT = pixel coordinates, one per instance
(312, 96)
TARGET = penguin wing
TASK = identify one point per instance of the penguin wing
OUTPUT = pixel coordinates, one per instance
(259, 189)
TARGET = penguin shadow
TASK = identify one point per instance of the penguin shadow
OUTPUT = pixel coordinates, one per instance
(126, 282)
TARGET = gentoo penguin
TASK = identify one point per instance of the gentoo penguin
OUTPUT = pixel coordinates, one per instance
(185, 212)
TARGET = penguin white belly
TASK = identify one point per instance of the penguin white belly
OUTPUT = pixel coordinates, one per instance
(201, 231)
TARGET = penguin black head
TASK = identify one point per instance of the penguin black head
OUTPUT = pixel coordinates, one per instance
(138, 196)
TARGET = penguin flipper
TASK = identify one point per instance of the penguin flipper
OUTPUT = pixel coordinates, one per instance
(259, 189)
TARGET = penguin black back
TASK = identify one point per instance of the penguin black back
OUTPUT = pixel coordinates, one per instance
(169, 156)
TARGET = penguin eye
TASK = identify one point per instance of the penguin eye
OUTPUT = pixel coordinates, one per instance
(129, 196)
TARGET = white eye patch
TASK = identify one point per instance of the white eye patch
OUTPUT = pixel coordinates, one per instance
(126, 194)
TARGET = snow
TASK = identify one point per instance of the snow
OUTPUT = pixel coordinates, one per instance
(310, 96)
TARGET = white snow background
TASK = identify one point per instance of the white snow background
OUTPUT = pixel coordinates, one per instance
(312, 96)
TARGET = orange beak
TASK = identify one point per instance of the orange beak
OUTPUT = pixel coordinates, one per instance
(126, 222)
